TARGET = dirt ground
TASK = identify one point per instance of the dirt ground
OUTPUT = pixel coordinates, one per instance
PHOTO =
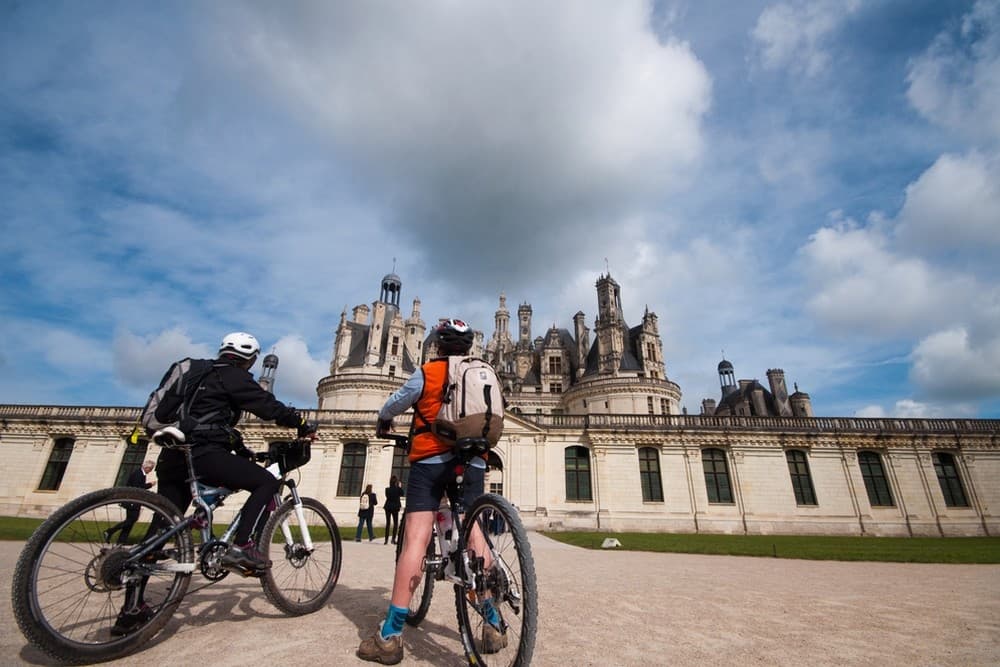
(606, 608)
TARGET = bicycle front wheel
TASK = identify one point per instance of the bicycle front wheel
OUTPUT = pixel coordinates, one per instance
(70, 584)
(497, 618)
(420, 601)
(301, 580)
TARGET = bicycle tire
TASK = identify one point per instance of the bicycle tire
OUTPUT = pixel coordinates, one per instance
(298, 581)
(509, 581)
(420, 600)
(68, 583)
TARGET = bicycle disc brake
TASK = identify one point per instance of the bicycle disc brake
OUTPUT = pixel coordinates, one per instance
(210, 561)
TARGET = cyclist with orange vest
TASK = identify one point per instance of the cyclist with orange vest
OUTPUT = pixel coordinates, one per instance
(430, 474)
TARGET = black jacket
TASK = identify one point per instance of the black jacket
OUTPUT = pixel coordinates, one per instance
(225, 392)
(392, 498)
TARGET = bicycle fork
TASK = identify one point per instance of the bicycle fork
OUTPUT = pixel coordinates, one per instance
(286, 530)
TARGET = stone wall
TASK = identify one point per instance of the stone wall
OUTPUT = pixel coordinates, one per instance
(532, 453)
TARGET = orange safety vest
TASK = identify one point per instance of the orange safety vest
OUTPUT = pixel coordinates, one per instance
(425, 443)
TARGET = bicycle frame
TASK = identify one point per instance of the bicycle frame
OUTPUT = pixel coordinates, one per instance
(206, 499)
(456, 564)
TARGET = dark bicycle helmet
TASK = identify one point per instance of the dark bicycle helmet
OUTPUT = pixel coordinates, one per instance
(454, 337)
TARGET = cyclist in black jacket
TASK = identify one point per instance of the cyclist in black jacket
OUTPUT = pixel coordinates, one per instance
(210, 426)
(224, 393)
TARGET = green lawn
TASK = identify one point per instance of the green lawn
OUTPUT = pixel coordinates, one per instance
(892, 549)
(12, 528)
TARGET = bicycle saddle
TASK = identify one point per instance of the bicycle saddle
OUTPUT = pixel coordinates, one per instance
(169, 436)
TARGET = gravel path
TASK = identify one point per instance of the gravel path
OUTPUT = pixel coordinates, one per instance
(607, 608)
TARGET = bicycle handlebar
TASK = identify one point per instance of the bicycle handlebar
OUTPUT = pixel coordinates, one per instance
(399, 440)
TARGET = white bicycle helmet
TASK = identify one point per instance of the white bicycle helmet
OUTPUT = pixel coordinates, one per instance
(240, 344)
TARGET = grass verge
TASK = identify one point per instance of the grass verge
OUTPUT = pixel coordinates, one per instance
(889, 549)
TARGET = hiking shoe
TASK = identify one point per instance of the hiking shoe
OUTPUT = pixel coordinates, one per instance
(130, 621)
(493, 639)
(385, 651)
(245, 558)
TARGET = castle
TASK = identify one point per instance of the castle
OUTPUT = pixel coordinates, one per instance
(594, 439)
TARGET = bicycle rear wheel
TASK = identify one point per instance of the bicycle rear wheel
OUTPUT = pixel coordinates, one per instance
(300, 581)
(420, 601)
(70, 585)
(505, 580)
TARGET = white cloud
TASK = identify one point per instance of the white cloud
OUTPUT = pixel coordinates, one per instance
(298, 372)
(796, 34)
(860, 286)
(953, 364)
(955, 204)
(482, 124)
(907, 408)
(956, 82)
(140, 361)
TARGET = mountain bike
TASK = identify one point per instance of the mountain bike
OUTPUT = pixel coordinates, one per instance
(483, 550)
(70, 584)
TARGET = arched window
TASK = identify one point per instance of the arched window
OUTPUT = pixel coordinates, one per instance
(649, 475)
(578, 474)
(879, 493)
(132, 459)
(62, 449)
(716, 476)
(951, 483)
(798, 469)
(352, 470)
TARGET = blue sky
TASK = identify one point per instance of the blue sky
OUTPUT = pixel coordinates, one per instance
(813, 186)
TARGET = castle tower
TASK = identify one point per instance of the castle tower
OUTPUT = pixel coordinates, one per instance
(500, 347)
(609, 326)
(392, 286)
(650, 348)
(501, 319)
(524, 326)
(524, 357)
(727, 378)
(415, 333)
(385, 312)
(267, 376)
(776, 378)
(582, 334)
(801, 403)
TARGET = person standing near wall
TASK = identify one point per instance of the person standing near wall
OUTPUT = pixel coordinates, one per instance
(366, 512)
(393, 494)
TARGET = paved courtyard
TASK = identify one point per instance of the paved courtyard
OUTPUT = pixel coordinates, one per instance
(607, 608)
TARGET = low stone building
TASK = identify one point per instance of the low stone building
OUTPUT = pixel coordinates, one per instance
(593, 440)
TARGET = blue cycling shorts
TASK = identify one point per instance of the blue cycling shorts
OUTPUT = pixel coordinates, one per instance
(427, 482)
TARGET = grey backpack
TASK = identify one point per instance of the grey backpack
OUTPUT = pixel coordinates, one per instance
(472, 405)
(177, 391)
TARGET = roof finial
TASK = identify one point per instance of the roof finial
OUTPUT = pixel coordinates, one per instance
(393, 264)
(607, 267)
